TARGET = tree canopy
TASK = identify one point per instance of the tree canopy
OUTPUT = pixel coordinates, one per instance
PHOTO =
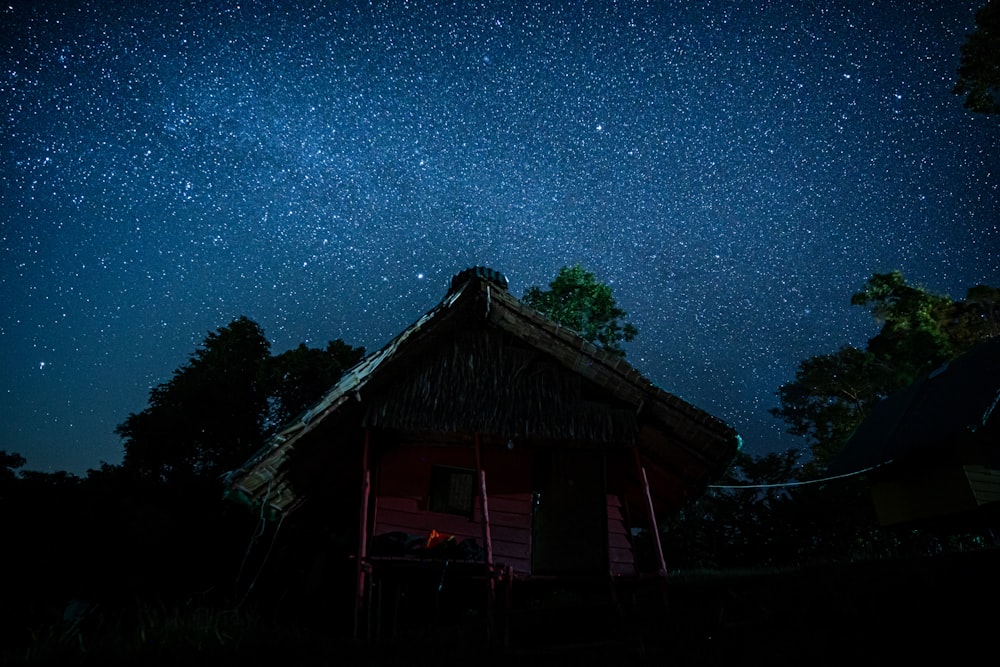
(578, 301)
(218, 408)
(296, 378)
(832, 393)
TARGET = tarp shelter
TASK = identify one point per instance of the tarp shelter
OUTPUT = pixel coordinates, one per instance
(488, 437)
(934, 446)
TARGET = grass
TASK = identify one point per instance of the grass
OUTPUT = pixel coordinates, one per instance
(847, 613)
(154, 633)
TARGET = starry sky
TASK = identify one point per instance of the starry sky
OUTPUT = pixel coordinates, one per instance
(734, 170)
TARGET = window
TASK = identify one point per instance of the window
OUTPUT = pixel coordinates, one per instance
(452, 490)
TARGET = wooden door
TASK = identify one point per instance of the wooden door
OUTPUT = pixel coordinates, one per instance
(570, 513)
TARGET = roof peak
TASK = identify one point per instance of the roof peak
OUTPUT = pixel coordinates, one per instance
(478, 272)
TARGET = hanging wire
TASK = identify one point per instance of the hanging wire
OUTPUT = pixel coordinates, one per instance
(258, 532)
(803, 483)
(270, 548)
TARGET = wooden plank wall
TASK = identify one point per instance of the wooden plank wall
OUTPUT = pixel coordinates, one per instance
(510, 523)
(403, 514)
(405, 480)
(621, 557)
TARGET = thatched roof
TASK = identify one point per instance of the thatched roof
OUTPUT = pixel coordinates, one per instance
(937, 417)
(483, 362)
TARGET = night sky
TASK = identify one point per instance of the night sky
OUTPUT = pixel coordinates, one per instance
(735, 170)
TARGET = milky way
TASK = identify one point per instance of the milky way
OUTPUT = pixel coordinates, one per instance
(735, 170)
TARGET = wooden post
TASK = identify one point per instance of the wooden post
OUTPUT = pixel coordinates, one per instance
(488, 543)
(487, 532)
(651, 513)
(366, 486)
(508, 592)
(484, 501)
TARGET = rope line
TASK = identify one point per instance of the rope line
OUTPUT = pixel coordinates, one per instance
(803, 483)
(258, 532)
(267, 556)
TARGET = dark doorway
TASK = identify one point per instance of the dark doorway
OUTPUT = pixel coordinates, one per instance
(570, 514)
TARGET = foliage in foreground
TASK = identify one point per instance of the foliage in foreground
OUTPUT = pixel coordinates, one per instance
(158, 633)
(845, 613)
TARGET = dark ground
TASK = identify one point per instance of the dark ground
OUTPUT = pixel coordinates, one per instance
(922, 609)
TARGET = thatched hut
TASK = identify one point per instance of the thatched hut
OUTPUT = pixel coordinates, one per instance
(486, 441)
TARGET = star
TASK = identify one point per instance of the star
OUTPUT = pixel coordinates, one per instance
(735, 181)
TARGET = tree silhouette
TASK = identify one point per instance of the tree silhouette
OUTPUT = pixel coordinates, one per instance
(296, 378)
(219, 407)
(209, 416)
(979, 69)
